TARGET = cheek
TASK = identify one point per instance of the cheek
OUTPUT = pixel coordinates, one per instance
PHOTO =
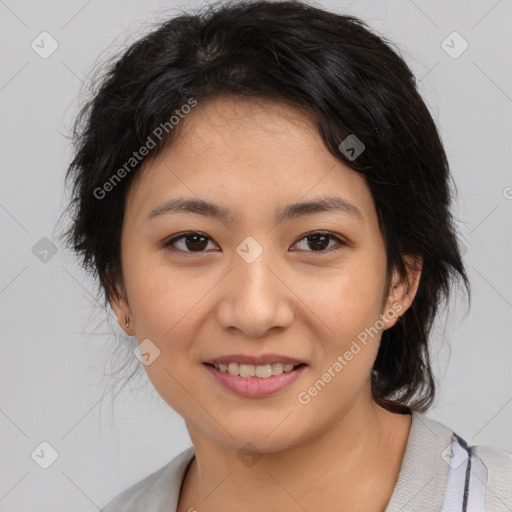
(165, 306)
(160, 295)
(350, 299)
(351, 309)
(350, 305)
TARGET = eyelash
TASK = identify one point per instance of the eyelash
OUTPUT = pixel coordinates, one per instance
(168, 243)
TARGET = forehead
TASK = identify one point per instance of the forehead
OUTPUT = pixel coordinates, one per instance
(244, 152)
(215, 117)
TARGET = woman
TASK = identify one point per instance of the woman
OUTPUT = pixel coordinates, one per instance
(265, 200)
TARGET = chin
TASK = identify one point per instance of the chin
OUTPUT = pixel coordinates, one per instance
(266, 438)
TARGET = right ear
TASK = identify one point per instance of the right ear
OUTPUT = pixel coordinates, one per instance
(122, 311)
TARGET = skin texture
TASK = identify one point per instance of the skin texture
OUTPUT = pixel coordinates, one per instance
(340, 451)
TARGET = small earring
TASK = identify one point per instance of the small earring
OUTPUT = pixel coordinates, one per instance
(127, 321)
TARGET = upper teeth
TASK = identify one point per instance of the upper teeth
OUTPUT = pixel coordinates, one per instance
(249, 370)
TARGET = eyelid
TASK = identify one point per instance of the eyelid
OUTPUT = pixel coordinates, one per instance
(333, 236)
(167, 242)
(341, 241)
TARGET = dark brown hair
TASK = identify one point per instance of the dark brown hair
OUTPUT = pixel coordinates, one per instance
(349, 80)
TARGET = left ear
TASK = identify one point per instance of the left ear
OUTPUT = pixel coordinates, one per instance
(402, 289)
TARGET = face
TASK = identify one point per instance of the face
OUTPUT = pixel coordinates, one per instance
(266, 278)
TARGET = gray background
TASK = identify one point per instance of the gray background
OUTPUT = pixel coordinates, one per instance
(56, 345)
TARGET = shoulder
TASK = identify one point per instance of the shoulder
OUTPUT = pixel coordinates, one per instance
(483, 472)
(158, 490)
(494, 459)
(441, 471)
(497, 472)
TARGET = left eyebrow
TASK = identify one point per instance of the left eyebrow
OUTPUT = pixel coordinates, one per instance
(208, 209)
(320, 204)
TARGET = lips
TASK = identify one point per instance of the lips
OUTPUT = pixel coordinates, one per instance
(255, 387)
(255, 360)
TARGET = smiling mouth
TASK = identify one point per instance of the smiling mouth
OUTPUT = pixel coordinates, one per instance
(263, 371)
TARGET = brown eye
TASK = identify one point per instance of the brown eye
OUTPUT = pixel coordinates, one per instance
(188, 242)
(320, 241)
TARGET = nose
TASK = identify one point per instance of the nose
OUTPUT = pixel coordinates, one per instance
(255, 298)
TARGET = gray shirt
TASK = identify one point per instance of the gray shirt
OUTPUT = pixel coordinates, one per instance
(439, 473)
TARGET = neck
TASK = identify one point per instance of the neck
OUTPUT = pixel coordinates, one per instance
(355, 462)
